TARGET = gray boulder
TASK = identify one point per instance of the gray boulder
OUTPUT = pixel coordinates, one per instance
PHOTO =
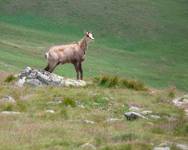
(133, 115)
(182, 146)
(40, 77)
(161, 148)
(182, 102)
(7, 99)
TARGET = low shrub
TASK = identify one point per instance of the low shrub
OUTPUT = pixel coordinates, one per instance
(10, 78)
(69, 102)
(133, 84)
(104, 80)
(115, 81)
(172, 92)
(8, 107)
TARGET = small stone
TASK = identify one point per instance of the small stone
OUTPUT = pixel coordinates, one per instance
(7, 99)
(161, 148)
(21, 82)
(186, 111)
(165, 144)
(55, 102)
(111, 120)
(50, 111)
(10, 113)
(133, 115)
(81, 106)
(27, 69)
(182, 146)
(180, 101)
(89, 122)
(88, 146)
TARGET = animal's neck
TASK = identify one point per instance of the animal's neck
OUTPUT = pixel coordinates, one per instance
(83, 44)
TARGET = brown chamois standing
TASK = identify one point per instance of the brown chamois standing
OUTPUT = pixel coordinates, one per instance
(71, 53)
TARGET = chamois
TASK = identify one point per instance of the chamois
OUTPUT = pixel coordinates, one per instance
(71, 53)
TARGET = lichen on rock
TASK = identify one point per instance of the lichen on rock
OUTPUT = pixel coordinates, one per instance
(37, 77)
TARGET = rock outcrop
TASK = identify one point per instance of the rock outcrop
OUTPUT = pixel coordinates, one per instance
(40, 77)
(182, 102)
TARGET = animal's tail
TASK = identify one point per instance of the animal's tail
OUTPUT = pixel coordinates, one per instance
(46, 55)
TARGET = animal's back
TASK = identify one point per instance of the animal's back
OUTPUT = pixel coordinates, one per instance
(65, 53)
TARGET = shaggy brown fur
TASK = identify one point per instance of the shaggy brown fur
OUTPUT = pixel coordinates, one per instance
(71, 53)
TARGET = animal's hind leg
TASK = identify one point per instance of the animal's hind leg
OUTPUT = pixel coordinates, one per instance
(81, 71)
(76, 65)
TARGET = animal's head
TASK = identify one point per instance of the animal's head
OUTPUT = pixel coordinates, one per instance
(89, 35)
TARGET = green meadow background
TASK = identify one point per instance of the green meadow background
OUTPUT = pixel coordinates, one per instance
(145, 40)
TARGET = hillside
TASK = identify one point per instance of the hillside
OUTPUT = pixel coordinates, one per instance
(141, 39)
(89, 118)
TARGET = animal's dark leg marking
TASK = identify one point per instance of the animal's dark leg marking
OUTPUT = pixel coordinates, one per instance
(76, 65)
(47, 68)
(81, 71)
(52, 67)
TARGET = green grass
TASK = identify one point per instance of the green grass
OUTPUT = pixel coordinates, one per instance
(10, 78)
(135, 40)
(115, 81)
(66, 129)
(139, 39)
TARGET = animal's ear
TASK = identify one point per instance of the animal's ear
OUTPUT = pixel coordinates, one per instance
(87, 34)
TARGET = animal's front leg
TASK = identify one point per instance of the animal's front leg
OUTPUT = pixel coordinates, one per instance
(53, 66)
(47, 68)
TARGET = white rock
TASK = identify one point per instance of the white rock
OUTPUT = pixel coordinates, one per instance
(37, 77)
(27, 69)
(50, 111)
(186, 111)
(161, 148)
(7, 99)
(180, 101)
(89, 122)
(182, 146)
(21, 82)
(133, 115)
(81, 106)
(111, 120)
(88, 146)
(56, 102)
(155, 116)
(10, 113)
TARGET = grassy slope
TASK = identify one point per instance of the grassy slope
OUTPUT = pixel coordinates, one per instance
(35, 129)
(140, 39)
